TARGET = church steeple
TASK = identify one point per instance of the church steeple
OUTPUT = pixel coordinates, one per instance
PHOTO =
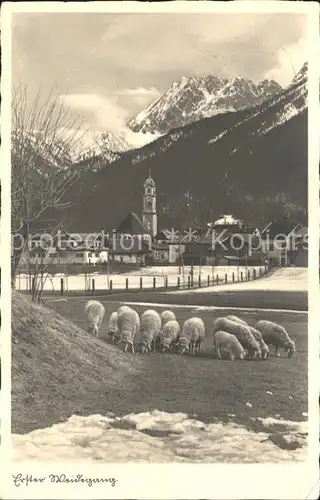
(149, 213)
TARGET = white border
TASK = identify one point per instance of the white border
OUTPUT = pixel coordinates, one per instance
(179, 481)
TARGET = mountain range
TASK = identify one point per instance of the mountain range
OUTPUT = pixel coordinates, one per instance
(191, 99)
(252, 162)
(187, 100)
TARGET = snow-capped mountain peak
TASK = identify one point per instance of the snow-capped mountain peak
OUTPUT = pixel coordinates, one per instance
(302, 74)
(192, 98)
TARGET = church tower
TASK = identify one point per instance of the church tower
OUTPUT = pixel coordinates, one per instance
(149, 213)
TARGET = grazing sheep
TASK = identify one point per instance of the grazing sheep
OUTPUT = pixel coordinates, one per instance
(128, 324)
(242, 333)
(123, 308)
(169, 336)
(150, 329)
(112, 330)
(192, 335)
(263, 346)
(276, 335)
(112, 327)
(167, 316)
(257, 335)
(237, 320)
(228, 342)
(94, 312)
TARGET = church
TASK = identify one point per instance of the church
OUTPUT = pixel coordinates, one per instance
(134, 239)
(139, 241)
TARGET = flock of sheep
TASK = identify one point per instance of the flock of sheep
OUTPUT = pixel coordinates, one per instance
(232, 337)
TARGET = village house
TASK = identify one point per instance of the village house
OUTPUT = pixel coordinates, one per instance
(169, 247)
(131, 243)
(66, 248)
(298, 254)
(129, 249)
(278, 242)
(225, 242)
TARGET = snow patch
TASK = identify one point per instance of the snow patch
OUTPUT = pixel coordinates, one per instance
(156, 436)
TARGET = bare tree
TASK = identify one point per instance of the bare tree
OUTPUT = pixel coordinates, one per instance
(44, 138)
(40, 276)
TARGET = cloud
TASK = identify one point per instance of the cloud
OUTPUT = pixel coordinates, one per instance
(123, 52)
(114, 112)
(216, 43)
(140, 91)
(135, 99)
(102, 113)
(289, 61)
(105, 115)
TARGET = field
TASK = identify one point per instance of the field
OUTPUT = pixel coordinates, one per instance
(206, 387)
(77, 397)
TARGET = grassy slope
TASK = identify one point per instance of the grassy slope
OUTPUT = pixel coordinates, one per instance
(58, 370)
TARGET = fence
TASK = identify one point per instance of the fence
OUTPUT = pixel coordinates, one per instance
(113, 284)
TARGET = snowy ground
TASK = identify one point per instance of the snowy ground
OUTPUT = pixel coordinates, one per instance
(286, 279)
(80, 282)
(162, 437)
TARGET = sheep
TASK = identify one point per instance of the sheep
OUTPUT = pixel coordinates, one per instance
(167, 316)
(276, 335)
(237, 320)
(123, 308)
(150, 329)
(112, 328)
(257, 335)
(169, 336)
(228, 342)
(128, 324)
(263, 346)
(94, 312)
(192, 335)
(242, 333)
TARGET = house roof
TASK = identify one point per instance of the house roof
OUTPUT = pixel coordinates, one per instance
(303, 231)
(132, 225)
(227, 219)
(277, 228)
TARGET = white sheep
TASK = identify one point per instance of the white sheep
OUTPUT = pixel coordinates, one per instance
(150, 328)
(169, 336)
(192, 336)
(242, 333)
(257, 335)
(128, 324)
(94, 312)
(112, 326)
(167, 316)
(263, 346)
(123, 308)
(112, 330)
(276, 335)
(228, 342)
(237, 319)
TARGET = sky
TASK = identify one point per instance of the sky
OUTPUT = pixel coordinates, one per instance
(108, 67)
